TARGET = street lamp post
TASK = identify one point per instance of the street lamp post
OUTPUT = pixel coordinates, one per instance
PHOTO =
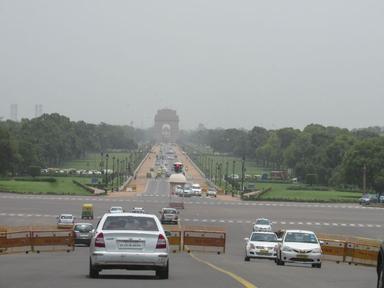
(226, 177)
(220, 173)
(233, 176)
(106, 170)
(242, 173)
(118, 173)
(113, 171)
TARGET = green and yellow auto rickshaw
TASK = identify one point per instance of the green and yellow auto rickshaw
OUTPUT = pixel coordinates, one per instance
(87, 211)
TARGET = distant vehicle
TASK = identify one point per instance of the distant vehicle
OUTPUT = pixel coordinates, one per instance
(368, 199)
(179, 190)
(83, 233)
(116, 209)
(262, 224)
(138, 210)
(169, 216)
(298, 246)
(178, 167)
(87, 211)
(65, 221)
(211, 192)
(380, 267)
(261, 244)
(129, 241)
(196, 189)
(187, 191)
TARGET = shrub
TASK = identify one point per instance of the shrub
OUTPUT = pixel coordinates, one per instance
(50, 179)
(34, 171)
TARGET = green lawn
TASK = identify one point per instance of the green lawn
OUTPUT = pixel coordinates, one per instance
(279, 192)
(92, 161)
(64, 185)
(251, 167)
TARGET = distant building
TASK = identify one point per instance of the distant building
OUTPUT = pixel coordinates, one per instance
(14, 112)
(38, 110)
(166, 127)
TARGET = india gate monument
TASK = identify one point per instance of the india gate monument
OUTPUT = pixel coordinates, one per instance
(166, 126)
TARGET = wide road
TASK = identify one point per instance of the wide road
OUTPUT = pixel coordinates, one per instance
(70, 270)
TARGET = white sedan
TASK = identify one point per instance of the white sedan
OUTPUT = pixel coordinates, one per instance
(129, 241)
(262, 224)
(261, 245)
(299, 246)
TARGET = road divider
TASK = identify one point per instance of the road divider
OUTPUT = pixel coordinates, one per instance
(351, 250)
(197, 238)
(42, 239)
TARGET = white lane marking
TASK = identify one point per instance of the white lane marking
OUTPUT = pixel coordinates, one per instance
(213, 202)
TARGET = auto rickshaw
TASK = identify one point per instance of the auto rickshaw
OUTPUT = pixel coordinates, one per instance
(87, 211)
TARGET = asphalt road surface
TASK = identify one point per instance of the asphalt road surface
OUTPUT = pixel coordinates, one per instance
(70, 269)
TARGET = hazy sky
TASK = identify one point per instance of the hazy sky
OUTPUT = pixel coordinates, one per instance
(221, 63)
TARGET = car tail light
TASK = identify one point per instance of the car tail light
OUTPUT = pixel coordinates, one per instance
(99, 241)
(161, 242)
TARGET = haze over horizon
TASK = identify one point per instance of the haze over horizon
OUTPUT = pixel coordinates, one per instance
(224, 64)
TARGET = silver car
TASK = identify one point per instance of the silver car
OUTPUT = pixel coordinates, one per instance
(129, 241)
(83, 233)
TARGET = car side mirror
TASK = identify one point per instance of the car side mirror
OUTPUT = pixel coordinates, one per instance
(246, 239)
(321, 242)
(279, 240)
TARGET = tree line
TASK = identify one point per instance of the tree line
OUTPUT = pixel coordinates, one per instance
(51, 139)
(330, 155)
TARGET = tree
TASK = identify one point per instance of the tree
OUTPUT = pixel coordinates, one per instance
(7, 152)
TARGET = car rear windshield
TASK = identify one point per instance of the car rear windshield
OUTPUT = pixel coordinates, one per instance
(169, 211)
(300, 237)
(130, 223)
(67, 217)
(83, 228)
(263, 237)
(262, 222)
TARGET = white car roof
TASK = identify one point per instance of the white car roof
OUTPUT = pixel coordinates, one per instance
(66, 215)
(300, 231)
(263, 232)
(130, 214)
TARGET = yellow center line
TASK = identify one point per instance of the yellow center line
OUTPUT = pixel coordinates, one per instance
(239, 279)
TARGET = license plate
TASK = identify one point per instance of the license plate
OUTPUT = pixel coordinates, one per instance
(263, 252)
(302, 256)
(130, 244)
